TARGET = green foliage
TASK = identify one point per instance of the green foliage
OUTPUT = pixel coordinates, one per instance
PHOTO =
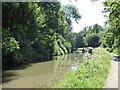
(89, 37)
(114, 24)
(9, 43)
(80, 41)
(71, 12)
(20, 23)
(103, 36)
(68, 46)
(116, 51)
(96, 28)
(61, 46)
(36, 31)
(93, 40)
(91, 74)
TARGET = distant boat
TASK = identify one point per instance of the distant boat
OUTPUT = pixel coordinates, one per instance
(84, 50)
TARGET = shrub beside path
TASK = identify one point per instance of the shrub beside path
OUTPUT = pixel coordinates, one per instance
(112, 79)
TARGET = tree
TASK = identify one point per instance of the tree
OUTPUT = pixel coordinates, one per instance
(114, 22)
(34, 31)
(80, 41)
(93, 40)
(20, 24)
(71, 12)
(96, 28)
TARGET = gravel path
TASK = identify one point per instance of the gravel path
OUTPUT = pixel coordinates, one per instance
(112, 79)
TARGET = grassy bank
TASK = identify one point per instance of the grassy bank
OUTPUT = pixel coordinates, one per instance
(116, 52)
(90, 74)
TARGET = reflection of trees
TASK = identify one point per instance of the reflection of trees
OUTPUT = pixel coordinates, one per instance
(60, 62)
(8, 76)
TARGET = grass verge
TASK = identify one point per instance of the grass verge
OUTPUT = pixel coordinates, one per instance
(116, 52)
(90, 74)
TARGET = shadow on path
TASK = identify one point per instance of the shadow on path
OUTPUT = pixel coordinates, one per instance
(115, 57)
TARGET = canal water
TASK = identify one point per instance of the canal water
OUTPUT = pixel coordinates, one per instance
(42, 74)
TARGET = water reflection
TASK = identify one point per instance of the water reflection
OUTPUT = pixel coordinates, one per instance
(8, 76)
(69, 61)
(73, 67)
(43, 72)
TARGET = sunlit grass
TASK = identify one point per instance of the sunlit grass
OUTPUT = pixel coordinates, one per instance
(90, 74)
(116, 52)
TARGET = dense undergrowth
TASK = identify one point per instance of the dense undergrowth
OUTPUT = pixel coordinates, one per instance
(90, 74)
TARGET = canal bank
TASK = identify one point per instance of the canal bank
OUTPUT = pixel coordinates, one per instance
(91, 74)
(61, 72)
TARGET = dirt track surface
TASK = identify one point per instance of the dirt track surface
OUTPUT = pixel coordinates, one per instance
(112, 79)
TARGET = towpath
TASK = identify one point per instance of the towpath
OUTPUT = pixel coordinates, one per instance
(113, 77)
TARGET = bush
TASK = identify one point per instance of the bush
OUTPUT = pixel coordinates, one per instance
(90, 74)
(10, 45)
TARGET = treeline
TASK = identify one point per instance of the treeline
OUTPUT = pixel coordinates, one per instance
(90, 36)
(36, 31)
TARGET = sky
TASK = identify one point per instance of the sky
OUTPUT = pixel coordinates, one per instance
(91, 13)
